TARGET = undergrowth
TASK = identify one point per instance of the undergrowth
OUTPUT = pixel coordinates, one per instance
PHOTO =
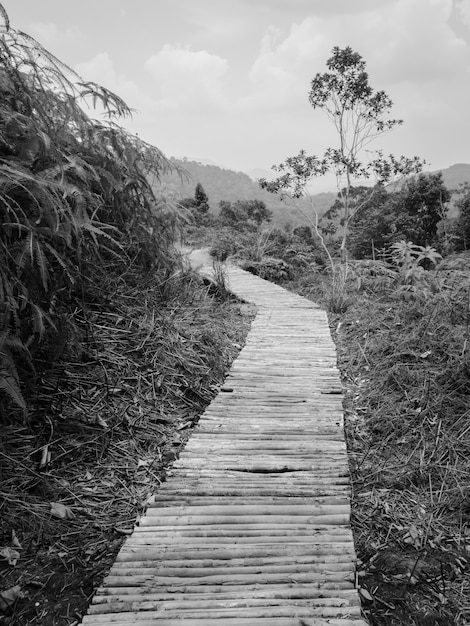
(109, 418)
(406, 368)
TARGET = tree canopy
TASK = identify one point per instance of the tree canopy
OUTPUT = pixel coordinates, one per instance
(244, 211)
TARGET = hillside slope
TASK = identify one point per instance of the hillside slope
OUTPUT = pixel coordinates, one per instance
(455, 175)
(222, 184)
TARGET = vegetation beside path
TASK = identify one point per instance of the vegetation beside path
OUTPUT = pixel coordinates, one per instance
(109, 346)
(108, 421)
(405, 366)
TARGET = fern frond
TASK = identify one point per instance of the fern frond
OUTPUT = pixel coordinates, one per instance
(100, 232)
(41, 263)
(6, 19)
(9, 379)
(113, 105)
(9, 385)
(61, 260)
(39, 318)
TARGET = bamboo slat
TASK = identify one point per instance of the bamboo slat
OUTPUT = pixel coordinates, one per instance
(251, 527)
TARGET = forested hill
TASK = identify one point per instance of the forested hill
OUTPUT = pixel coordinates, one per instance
(455, 175)
(221, 184)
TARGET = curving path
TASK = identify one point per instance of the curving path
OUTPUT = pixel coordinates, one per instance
(252, 526)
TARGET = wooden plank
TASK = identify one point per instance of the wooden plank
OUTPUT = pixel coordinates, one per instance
(251, 527)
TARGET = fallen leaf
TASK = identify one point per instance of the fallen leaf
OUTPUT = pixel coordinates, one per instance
(10, 596)
(365, 594)
(61, 511)
(100, 422)
(10, 555)
(14, 540)
(45, 457)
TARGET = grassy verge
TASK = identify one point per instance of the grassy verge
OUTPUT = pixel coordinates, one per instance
(110, 418)
(404, 358)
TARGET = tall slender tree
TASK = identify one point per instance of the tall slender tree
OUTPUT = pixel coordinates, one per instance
(201, 199)
(360, 115)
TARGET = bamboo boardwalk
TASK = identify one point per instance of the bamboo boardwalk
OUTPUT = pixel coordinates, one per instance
(252, 526)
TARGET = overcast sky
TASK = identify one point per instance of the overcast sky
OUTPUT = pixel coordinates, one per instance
(228, 80)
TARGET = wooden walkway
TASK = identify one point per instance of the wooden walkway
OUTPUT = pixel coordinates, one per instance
(252, 526)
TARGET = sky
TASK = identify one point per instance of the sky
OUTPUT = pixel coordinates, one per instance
(228, 80)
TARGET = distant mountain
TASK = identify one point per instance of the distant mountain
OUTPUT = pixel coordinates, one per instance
(259, 172)
(455, 175)
(223, 184)
(203, 161)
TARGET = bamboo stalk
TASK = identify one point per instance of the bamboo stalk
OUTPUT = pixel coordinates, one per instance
(237, 612)
(217, 621)
(269, 592)
(257, 578)
(227, 552)
(235, 609)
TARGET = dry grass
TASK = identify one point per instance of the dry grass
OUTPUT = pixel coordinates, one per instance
(109, 420)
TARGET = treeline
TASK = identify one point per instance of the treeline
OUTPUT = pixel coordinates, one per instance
(418, 212)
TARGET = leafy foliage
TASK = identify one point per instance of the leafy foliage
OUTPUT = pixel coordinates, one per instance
(201, 200)
(269, 268)
(243, 212)
(76, 198)
(462, 225)
(422, 205)
(413, 212)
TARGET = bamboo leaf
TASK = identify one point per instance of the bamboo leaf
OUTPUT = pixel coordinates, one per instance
(9, 596)
(9, 555)
(59, 510)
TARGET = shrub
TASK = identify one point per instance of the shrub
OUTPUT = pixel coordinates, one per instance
(269, 268)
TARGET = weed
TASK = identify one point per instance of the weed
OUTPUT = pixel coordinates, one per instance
(219, 278)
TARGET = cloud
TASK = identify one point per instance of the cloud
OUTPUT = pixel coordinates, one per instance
(101, 70)
(463, 9)
(187, 79)
(407, 42)
(51, 36)
(411, 52)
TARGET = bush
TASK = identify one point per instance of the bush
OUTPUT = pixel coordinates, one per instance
(76, 206)
(269, 268)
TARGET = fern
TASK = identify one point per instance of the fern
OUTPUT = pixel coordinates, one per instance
(9, 386)
(9, 379)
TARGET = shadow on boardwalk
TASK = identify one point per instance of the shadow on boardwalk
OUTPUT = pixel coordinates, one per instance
(252, 526)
